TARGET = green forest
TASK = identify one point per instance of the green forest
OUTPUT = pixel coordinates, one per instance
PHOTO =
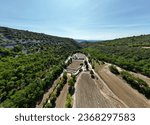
(129, 53)
(29, 63)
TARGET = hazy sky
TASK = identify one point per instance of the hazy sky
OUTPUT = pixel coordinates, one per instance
(82, 19)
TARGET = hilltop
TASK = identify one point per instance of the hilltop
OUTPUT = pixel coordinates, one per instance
(10, 37)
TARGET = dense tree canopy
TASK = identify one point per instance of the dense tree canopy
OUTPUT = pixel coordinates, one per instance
(29, 63)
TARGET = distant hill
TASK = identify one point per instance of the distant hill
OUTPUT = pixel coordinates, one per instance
(82, 40)
(135, 41)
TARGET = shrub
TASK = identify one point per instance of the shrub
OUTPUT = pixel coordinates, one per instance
(48, 105)
(74, 78)
(71, 90)
(114, 70)
(92, 74)
(81, 64)
(53, 99)
(93, 66)
(69, 101)
(137, 83)
(71, 82)
(86, 65)
(58, 89)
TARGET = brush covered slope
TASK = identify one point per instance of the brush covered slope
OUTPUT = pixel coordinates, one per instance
(132, 53)
(29, 63)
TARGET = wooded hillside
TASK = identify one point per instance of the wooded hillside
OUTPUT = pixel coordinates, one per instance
(130, 53)
(29, 63)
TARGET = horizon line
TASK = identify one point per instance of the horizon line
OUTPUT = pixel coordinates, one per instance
(55, 35)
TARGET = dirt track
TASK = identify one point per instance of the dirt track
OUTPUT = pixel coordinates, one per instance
(60, 102)
(107, 91)
(119, 87)
(94, 94)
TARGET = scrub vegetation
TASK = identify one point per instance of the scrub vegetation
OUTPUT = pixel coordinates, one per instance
(29, 63)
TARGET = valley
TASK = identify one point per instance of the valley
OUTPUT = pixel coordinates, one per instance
(44, 71)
